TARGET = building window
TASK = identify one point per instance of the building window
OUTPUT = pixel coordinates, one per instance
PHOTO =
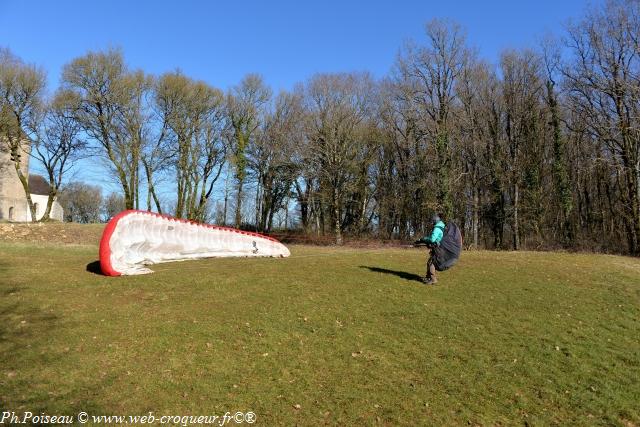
(11, 213)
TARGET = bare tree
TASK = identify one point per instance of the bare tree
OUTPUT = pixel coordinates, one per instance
(111, 112)
(402, 163)
(521, 92)
(271, 157)
(431, 72)
(113, 204)
(551, 58)
(603, 85)
(534, 151)
(338, 105)
(245, 105)
(57, 143)
(21, 92)
(81, 202)
(477, 94)
(192, 113)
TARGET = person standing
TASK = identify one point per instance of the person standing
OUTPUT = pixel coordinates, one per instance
(433, 242)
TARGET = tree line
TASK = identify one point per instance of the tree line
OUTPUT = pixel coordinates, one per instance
(85, 203)
(539, 150)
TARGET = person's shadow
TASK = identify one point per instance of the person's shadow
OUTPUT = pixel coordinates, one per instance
(401, 274)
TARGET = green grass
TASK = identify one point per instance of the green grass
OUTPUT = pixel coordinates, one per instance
(349, 335)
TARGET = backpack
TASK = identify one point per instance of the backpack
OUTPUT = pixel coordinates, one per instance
(448, 252)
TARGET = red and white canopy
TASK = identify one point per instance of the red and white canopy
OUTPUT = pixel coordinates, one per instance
(133, 239)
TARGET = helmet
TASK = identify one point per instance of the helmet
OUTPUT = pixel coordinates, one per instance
(435, 218)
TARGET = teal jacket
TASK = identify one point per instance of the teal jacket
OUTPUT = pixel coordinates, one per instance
(436, 234)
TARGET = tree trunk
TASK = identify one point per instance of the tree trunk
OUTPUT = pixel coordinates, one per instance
(258, 216)
(320, 217)
(180, 199)
(286, 214)
(238, 215)
(128, 197)
(516, 225)
(336, 213)
(25, 184)
(635, 212)
(476, 208)
(135, 187)
(560, 167)
(151, 192)
(443, 192)
(50, 199)
(637, 206)
(224, 207)
(303, 201)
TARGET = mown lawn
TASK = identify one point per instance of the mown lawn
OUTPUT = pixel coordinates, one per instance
(335, 336)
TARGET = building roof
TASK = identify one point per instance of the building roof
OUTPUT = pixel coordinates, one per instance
(38, 185)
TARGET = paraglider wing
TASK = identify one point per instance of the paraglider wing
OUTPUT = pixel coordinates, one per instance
(448, 252)
(133, 239)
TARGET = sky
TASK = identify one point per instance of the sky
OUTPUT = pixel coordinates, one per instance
(285, 41)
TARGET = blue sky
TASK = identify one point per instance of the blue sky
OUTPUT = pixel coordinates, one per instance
(285, 41)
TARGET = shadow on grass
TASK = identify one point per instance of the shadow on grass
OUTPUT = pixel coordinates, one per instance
(401, 274)
(94, 267)
(26, 333)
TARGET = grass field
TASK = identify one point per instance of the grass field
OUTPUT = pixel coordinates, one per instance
(335, 336)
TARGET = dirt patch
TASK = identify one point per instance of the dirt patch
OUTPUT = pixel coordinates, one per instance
(65, 233)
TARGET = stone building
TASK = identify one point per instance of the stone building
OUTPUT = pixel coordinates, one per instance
(13, 202)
